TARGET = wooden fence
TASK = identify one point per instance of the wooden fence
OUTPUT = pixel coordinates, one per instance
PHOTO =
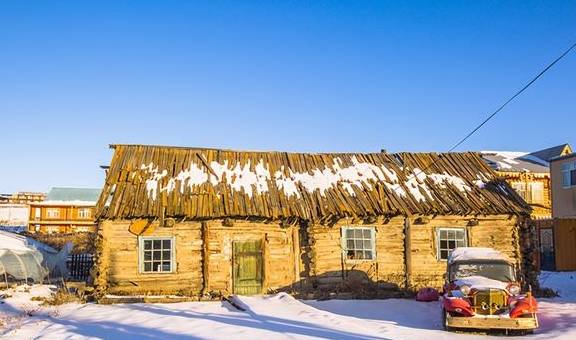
(79, 266)
(565, 244)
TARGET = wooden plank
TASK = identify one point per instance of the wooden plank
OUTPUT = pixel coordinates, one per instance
(565, 244)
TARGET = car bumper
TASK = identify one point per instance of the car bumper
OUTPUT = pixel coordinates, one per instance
(492, 322)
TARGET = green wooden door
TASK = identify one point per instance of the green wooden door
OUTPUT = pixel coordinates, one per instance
(247, 267)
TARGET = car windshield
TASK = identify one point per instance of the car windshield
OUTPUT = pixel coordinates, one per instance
(493, 270)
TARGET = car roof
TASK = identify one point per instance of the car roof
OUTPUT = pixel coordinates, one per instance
(476, 253)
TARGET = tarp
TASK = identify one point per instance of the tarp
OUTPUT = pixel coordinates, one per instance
(23, 258)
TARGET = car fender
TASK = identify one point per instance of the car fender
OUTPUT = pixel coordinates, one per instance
(457, 305)
(525, 305)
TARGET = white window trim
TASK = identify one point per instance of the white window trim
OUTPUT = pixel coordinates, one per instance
(84, 213)
(345, 247)
(141, 240)
(438, 239)
(53, 212)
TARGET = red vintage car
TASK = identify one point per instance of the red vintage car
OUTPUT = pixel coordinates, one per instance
(482, 291)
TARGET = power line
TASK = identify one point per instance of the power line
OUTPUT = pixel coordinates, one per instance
(501, 107)
(513, 97)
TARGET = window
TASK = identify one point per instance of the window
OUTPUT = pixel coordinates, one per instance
(81, 229)
(53, 212)
(448, 239)
(156, 254)
(37, 213)
(520, 188)
(84, 213)
(358, 243)
(537, 192)
(52, 229)
(532, 192)
(569, 174)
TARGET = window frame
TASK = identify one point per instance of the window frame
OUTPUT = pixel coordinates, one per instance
(533, 198)
(49, 210)
(566, 169)
(141, 261)
(344, 244)
(521, 189)
(82, 229)
(52, 229)
(84, 213)
(438, 240)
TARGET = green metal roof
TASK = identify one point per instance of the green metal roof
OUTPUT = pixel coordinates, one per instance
(73, 194)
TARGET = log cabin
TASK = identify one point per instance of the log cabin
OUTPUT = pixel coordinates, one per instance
(208, 222)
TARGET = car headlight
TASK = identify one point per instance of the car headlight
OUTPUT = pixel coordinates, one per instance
(465, 289)
(514, 289)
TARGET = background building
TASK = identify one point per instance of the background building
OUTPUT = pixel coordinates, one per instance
(26, 197)
(563, 170)
(528, 174)
(65, 210)
(14, 217)
(562, 230)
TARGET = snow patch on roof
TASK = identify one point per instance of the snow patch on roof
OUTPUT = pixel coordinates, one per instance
(442, 179)
(511, 155)
(243, 178)
(248, 178)
(535, 159)
(417, 186)
(516, 161)
(479, 183)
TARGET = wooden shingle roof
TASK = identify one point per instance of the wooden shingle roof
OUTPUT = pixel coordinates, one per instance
(197, 183)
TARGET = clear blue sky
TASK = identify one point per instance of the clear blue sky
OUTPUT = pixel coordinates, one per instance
(274, 75)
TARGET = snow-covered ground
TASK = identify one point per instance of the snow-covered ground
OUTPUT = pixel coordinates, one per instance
(278, 316)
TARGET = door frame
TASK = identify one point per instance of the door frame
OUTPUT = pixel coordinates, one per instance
(541, 252)
(262, 256)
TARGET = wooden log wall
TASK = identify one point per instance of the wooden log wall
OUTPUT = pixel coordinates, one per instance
(530, 251)
(289, 257)
(279, 257)
(329, 266)
(118, 262)
(498, 232)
